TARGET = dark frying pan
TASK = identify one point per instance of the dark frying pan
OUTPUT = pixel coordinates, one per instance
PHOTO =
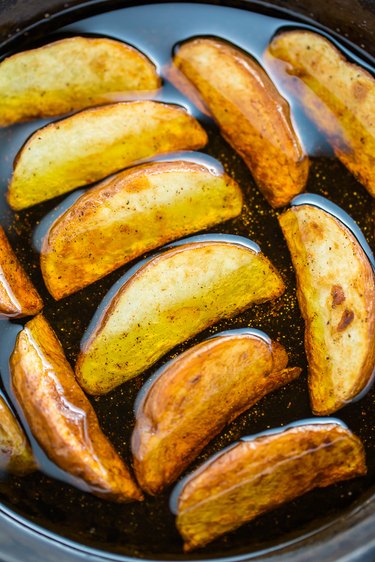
(344, 535)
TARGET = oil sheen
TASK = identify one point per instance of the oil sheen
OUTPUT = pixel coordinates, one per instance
(53, 499)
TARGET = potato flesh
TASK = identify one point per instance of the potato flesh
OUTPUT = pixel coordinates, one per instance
(18, 297)
(15, 452)
(337, 95)
(256, 476)
(60, 416)
(195, 397)
(71, 74)
(95, 143)
(336, 295)
(252, 115)
(170, 299)
(130, 214)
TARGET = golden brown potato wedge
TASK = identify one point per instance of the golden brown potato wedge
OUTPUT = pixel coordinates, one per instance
(130, 214)
(90, 145)
(18, 297)
(71, 74)
(169, 299)
(252, 115)
(15, 452)
(261, 473)
(194, 397)
(337, 95)
(60, 416)
(336, 295)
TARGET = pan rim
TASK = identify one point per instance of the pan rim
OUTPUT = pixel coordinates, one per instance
(358, 522)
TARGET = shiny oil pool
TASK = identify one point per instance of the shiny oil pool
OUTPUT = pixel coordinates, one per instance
(50, 497)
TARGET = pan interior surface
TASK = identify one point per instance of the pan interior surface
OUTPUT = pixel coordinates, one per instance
(49, 497)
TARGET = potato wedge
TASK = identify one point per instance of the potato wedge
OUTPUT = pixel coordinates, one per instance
(194, 397)
(71, 74)
(252, 115)
(130, 214)
(90, 145)
(337, 95)
(15, 452)
(261, 473)
(18, 297)
(336, 295)
(60, 416)
(169, 299)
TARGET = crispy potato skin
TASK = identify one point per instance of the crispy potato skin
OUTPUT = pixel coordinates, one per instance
(130, 214)
(95, 143)
(60, 416)
(252, 115)
(195, 397)
(336, 295)
(71, 74)
(256, 476)
(18, 297)
(337, 95)
(15, 451)
(182, 291)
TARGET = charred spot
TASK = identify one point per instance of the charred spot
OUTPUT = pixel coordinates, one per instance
(346, 319)
(338, 295)
(360, 90)
(317, 229)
